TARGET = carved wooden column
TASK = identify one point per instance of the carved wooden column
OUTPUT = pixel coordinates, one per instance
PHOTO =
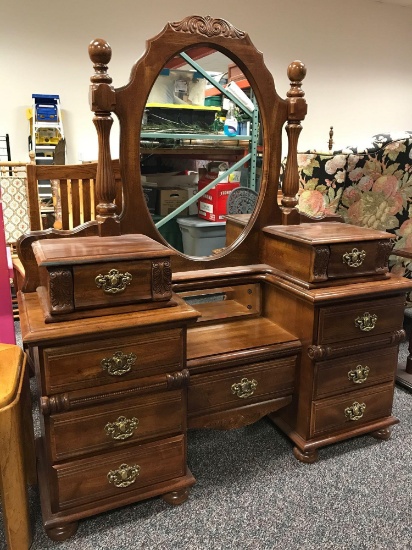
(297, 109)
(102, 102)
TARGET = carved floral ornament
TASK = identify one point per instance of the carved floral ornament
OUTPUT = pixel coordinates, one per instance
(208, 26)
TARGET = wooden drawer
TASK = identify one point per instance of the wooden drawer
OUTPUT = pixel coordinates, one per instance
(322, 251)
(87, 294)
(112, 425)
(236, 387)
(87, 480)
(94, 272)
(355, 372)
(357, 259)
(107, 360)
(360, 319)
(334, 414)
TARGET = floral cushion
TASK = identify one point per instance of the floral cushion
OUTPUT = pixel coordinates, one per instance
(368, 186)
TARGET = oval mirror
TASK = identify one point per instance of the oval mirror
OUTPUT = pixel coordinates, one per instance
(200, 154)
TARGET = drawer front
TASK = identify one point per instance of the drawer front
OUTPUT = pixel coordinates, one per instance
(236, 387)
(360, 319)
(351, 410)
(114, 425)
(109, 360)
(114, 283)
(117, 473)
(355, 371)
(357, 258)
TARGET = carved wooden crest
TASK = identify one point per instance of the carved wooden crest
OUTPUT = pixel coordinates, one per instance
(208, 26)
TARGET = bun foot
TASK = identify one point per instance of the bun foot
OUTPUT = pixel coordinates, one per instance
(176, 497)
(309, 457)
(384, 434)
(62, 532)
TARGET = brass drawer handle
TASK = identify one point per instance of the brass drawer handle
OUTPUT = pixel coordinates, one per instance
(245, 388)
(122, 428)
(359, 374)
(120, 363)
(355, 411)
(124, 476)
(354, 258)
(113, 282)
(366, 322)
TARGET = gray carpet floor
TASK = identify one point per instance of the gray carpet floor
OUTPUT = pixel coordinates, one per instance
(252, 494)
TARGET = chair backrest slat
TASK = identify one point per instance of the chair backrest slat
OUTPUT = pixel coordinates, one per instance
(75, 202)
(87, 195)
(64, 202)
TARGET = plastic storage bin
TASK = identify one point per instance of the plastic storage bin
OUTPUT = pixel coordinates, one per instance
(201, 237)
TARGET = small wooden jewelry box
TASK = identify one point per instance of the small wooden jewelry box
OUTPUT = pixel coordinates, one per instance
(314, 253)
(88, 276)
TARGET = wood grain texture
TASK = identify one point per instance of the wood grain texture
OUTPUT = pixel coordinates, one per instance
(15, 452)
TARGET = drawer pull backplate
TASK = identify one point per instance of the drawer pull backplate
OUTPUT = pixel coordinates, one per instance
(355, 411)
(113, 282)
(359, 374)
(354, 258)
(120, 363)
(124, 476)
(245, 388)
(122, 428)
(366, 322)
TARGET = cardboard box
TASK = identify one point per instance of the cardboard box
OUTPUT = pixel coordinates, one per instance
(169, 199)
(193, 208)
(212, 205)
(173, 179)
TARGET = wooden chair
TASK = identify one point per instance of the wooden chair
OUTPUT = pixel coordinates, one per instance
(74, 194)
(17, 462)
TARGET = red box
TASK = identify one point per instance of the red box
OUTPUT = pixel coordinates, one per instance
(212, 205)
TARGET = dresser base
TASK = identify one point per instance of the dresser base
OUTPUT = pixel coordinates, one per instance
(307, 450)
(61, 525)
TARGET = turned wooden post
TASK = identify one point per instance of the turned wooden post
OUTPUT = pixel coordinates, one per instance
(297, 109)
(330, 142)
(102, 102)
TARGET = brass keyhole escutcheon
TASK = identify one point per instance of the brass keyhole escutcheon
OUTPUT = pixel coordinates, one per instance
(366, 322)
(119, 364)
(245, 388)
(124, 476)
(113, 282)
(354, 258)
(122, 428)
(355, 411)
(359, 374)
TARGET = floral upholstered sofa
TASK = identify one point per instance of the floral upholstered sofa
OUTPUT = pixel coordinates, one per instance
(369, 186)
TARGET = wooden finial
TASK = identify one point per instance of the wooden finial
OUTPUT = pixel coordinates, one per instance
(296, 73)
(103, 102)
(297, 109)
(100, 54)
(330, 142)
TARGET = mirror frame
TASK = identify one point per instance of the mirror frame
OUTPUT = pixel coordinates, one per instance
(128, 103)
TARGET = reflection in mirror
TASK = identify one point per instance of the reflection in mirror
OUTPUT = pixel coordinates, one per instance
(200, 152)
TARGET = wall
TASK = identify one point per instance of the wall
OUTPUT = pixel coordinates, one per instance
(356, 53)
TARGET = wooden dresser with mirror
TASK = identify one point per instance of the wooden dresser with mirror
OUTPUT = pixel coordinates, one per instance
(135, 343)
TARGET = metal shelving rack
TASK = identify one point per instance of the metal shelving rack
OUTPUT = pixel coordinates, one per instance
(46, 130)
(252, 139)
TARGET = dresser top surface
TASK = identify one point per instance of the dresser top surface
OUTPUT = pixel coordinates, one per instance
(326, 233)
(82, 250)
(35, 330)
